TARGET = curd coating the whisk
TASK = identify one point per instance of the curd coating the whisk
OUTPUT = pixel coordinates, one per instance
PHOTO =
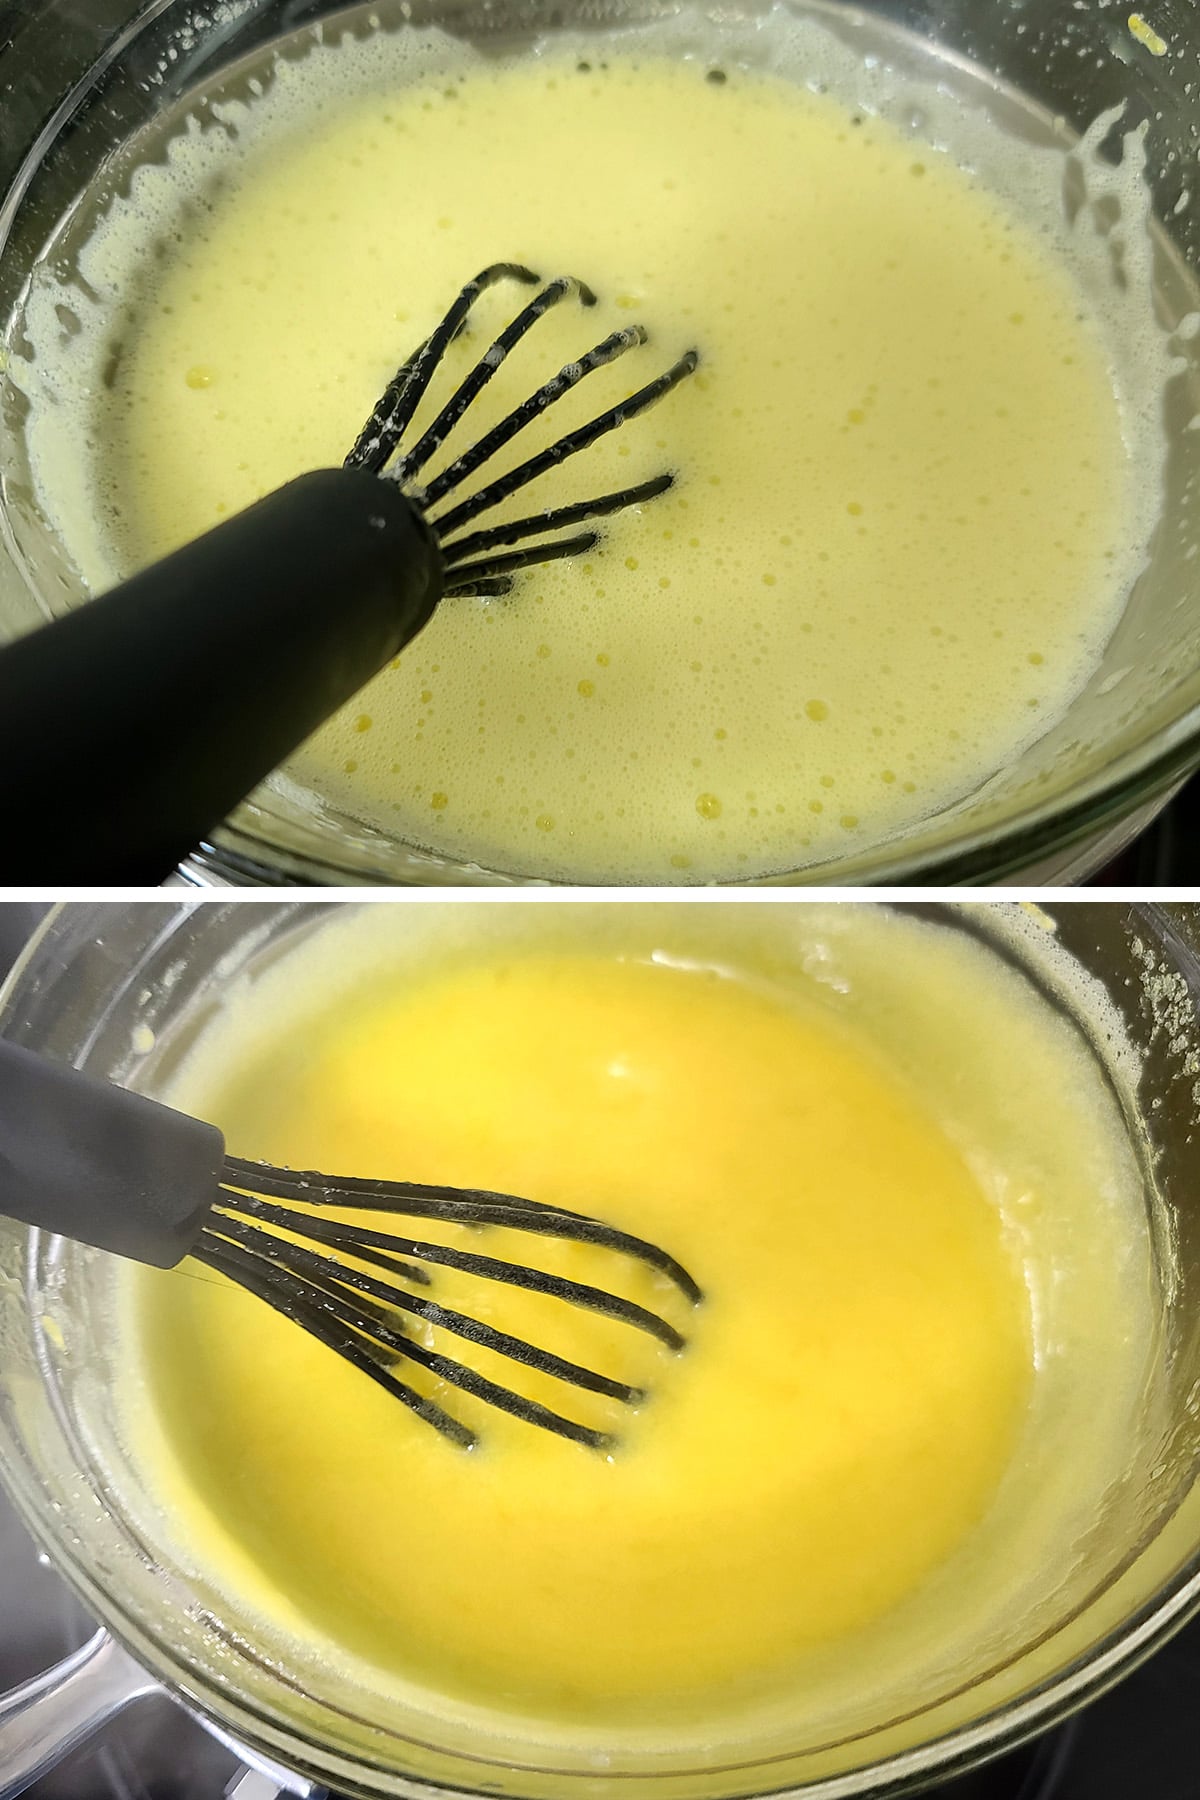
(859, 1443)
(910, 497)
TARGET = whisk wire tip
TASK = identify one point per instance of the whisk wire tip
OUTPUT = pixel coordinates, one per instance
(378, 446)
(265, 1232)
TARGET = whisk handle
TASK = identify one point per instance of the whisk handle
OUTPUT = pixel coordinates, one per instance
(101, 1165)
(133, 725)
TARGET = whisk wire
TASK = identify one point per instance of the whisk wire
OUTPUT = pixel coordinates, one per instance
(365, 1330)
(462, 577)
(564, 447)
(380, 439)
(463, 1206)
(359, 1242)
(357, 1330)
(618, 343)
(351, 1286)
(487, 587)
(321, 1271)
(493, 357)
(394, 413)
(289, 1297)
(496, 536)
(519, 1406)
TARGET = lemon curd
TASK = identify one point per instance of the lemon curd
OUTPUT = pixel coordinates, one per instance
(914, 482)
(919, 1310)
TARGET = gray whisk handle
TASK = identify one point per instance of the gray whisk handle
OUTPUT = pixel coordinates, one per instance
(101, 1165)
(133, 725)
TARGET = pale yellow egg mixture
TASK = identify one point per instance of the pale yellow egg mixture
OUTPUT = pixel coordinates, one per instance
(924, 1326)
(904, 521)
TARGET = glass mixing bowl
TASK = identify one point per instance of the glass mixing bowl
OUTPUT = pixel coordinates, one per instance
(120, 990)
(78, 77)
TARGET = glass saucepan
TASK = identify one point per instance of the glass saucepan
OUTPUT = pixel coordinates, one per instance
(76, 82)
(121, 989)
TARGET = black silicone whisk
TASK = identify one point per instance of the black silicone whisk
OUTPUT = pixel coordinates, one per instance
(129, 1175)
(133, 725)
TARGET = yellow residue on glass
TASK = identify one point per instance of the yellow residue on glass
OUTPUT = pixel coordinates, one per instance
(1146, 34)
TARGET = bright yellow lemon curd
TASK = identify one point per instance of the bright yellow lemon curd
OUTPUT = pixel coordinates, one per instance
(838, 1443)
(904, 522)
